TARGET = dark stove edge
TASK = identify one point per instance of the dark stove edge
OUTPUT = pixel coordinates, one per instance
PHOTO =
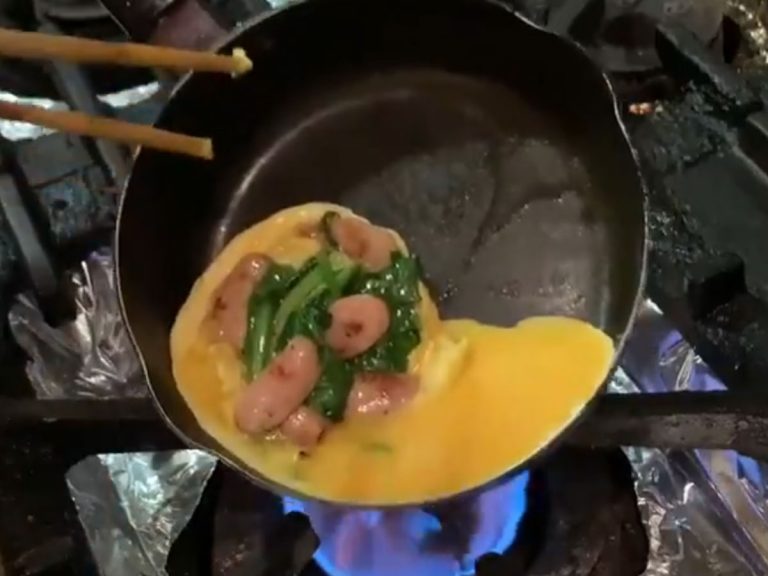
(678, 421)
(673, 420)
(31, 412)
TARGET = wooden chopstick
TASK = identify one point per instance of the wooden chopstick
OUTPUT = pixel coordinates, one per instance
(36, 45)
(99, 127)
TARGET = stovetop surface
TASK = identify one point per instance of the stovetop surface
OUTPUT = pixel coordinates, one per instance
(707, 271)
(581, 517)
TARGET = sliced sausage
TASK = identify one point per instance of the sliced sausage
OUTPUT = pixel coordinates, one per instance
(280, 389)
(230, 301)
(304, 428)
(357, 323)
(374, 393)
(365, 243)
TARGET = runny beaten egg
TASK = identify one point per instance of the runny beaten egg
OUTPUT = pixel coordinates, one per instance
(487, 398)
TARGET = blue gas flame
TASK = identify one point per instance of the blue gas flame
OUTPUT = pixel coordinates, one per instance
(424, 541)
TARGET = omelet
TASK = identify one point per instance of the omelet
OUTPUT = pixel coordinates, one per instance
(489, 397)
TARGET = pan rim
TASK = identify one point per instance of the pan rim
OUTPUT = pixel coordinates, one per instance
(558, 438)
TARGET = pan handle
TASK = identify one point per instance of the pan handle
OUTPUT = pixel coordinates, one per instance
(180, 23)
(677, 421)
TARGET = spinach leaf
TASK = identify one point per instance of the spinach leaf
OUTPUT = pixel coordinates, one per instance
(278, 279)
(326, 222)
(398, 283)
(329, 396)
(258, 338)
(262, 306)
(398, 286)
(311, 320)
(290, 303)
(305, 313)
(327, 273)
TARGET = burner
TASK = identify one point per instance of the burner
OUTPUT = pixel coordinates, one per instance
(620, 34)
(441, 540)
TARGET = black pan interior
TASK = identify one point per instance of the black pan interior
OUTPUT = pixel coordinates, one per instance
(492, 147)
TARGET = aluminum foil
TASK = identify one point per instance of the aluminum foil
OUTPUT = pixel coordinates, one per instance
(13, 130)
(130, 96)
(133, 506)
(91, 357)
(705, 511)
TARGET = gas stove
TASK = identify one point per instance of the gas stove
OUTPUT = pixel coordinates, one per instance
(692, 77)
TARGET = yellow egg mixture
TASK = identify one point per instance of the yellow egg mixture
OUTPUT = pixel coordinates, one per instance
(490, 397)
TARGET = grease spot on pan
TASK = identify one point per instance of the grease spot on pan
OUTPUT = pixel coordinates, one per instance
(505, 228)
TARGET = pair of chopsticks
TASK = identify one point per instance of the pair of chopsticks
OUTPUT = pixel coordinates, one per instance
(34, 45)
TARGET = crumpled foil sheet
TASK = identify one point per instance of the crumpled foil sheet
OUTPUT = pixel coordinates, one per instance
(91, 357)
(705, 511)
(133, 506)
(13, 130)
(130, 96)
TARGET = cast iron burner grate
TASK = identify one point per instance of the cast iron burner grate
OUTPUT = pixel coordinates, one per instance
(552, 524)
(621, 35)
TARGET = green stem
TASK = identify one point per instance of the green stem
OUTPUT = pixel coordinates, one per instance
(258, 340)
(331, 272)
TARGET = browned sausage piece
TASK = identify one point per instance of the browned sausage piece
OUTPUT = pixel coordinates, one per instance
(374, 393)
(230, 301)
(357, 323)
(370, 245)
(280, 389)
(304, 428)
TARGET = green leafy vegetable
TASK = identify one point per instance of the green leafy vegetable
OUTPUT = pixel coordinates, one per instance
(262, 306)
(305, 310)
(279, 278)
(326, 223)
(311, 320)
(256, 349)
(324, 272)
(290, 303)
(398, 286)
(329, 396)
